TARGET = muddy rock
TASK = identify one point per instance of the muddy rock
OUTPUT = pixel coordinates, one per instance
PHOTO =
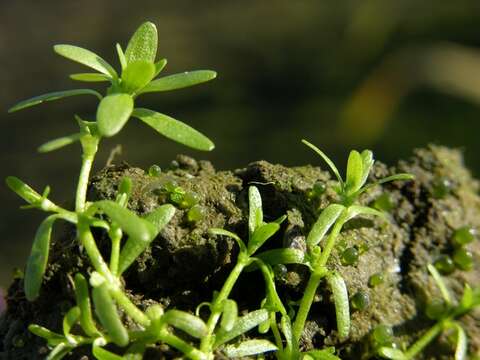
(185, 264)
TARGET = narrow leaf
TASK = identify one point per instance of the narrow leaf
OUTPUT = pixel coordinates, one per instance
(121, 56)
(107, 314)
(261, 234)
(52, 338)
(249, 347)
(324, 222)
(135, 245)
(59, 143)
(90, 77)
(462, 343)
(243, 324)
(191, 324)
(354, 172)
(143, 44)
(174, 129)
(136, 75)
(340, 297)
(355, 210)
(324, 354)
(159, 66)
(397, 177)
(22, 190)
(85, 57)
(273, 302)
(59, 352)
(179, 81)
(229, 315)
(368, 161)
(82, 298)
(391, 353)
(52, 96)
(282, 256)
(255, 211)
(69, 320)
(102, 354)
(113, 112)
(222, 232)
(327, 160)
(37, 261)
(440, 283)
(467, 300)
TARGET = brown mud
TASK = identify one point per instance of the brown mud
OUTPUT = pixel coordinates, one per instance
(185, 264)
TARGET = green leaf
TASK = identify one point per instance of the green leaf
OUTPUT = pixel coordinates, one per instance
(397, 177)
(113, 112)
(249, 347)
(355, 210)
(229, 315)
(273, 302)
(324, 354)
(340, 297)
(327, 160)
(143, 44)
(83, 302)
(85, 57)
(462, 343)
(179, 81)
(59, 143)
(136, 75)
(23, 190)
(324, 222)
(368, 161)
(102, 354)
(52, 96)
(52, 338)
(159, 66)
(174, 129)
(191, 324)
(107, 314)
(243, 324)
(255, 211)
(282, 256)
(37, 261)
(69, 320)
(222, 232)
(136, 245)
(121, 56)
(260, 235)
(59, 351)
(440, 283)
(391, 353)
(354, 172)
(90, 77)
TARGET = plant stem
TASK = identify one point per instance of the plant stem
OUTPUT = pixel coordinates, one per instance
(187, 349)
(126, 304)
(116, 236)
(207, 341)
(89, 146)
(426, 338)
(319, 272)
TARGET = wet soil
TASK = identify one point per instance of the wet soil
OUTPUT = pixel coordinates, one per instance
(185, 264)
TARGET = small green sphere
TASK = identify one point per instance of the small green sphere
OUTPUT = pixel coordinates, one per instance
(376, 279)
(464, 235)
(445, 264)
(382, 334)
(436, 309)
(196, 213)
(360, 301)
(189, 199)
(319, 188)
(463, 259)
(350, 256)
(441, 188)
(154, 170)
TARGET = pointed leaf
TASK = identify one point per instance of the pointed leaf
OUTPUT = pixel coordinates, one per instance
(134, 246)
(342, 310)
(174, 129)
(23, 190)
(136, 75)
(393, 354)
(113, 112)
(37, 261)
(354, 172)
(324, 222)
(249, 347)
(52, 338)
(255, 215)
(107, 314)
(179, 81)
(440, 283)
(69, 320)
(229, 315)
(159, 66)
(261, 234)
(243, 324)
(222, 232)
(85, 57)
(327, 160)
(59, 143)
(90, 77)
(121, 56)
(143, 44)
(52, 96)
(397, 177)
(82, 298)
(324, 354)
(368, 161)
(355, 210)
(191, 324)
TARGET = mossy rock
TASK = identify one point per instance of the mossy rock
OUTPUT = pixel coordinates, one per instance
(185, 264)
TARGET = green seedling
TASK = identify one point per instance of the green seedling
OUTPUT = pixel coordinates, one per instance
(445, 312)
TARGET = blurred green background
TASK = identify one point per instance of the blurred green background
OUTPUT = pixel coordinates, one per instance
(389, 75)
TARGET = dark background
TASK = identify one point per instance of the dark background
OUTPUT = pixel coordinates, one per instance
(390, 75)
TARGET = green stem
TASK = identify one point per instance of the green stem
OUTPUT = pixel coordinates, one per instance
(187, 349)
(426, 339)
(126, 304)
(116, 237)
(207, 341)
(319, 272)
(90, 147)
